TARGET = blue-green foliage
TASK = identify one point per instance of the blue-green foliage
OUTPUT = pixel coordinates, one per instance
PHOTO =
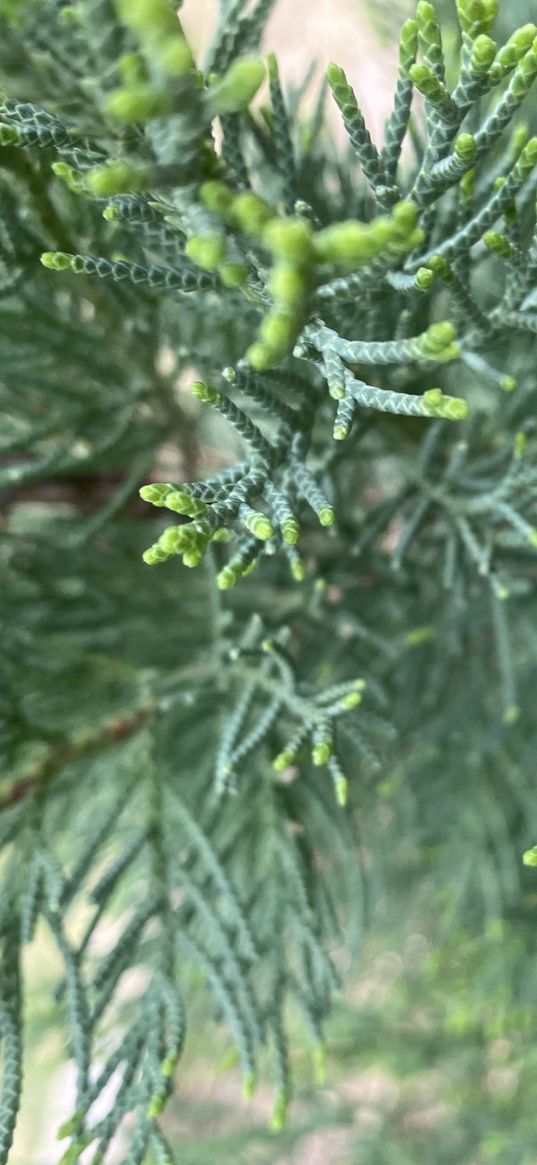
(359, 334)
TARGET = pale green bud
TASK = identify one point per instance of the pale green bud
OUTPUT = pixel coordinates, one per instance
(233, 92)
(233, 274)
(181, 503)
(528, 157)
(441, 267)
(341, 787)
(336, 77)
(227, 578)
(149, 17)
(278, 330)
(451, 408)
(57, 260)
(259, 356)
(251, 212)
(467, 185)
(408, 45)
(345, 242)
(206, 251)
(519, 138)
(154, 555)
(205, 393)
(249, 569)
(69, 15)
(405, 214)
(508, 56)
(72, 178)
(424, 278)
(277, 334)
(520, 443)
(286, 283)
(321, 753)
(464, 147)
(438, 336)
(298, 570)
(175, 57)
(476, 16)
(260, 526)
(249, 1085)
(174, 539)
(290, 531)
(428, 84)
(117, 178)
(425, 13)
(132, 69)
(155, 1106)
(351, 700)
(138, 103)
(489, 9)
(498, 243)
(419, 635)
(192, 558)
(428, 26)
(217, 197)
(155, 493)
(279, 1112)
(483, 54)
(283, 760)
(289, 238)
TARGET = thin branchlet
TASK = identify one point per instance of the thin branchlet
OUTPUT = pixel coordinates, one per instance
(182, 760)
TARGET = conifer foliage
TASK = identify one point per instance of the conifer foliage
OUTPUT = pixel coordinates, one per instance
(193, 759)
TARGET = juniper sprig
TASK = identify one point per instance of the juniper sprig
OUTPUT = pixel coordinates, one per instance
(329, 353)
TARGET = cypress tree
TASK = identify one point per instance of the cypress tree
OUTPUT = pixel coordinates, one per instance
(214, 686)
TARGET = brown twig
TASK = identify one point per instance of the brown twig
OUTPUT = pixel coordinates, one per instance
(85, 743)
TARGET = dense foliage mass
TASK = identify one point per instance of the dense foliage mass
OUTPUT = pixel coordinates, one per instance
(207, 776)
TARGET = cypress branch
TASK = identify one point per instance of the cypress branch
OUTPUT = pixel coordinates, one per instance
(187, 752)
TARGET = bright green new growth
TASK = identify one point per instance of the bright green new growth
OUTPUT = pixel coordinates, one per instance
(436, 404)
(476, 16)
(234, 92)
(196, 287)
